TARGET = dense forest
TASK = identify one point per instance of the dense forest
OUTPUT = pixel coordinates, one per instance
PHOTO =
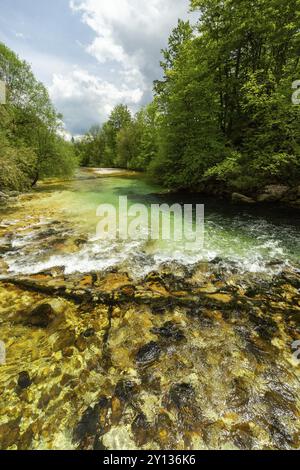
(30, 142)
(221, 116)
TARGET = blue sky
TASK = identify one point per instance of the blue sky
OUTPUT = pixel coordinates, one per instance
(91, 54)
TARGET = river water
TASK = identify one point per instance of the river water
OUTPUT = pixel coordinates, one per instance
(263, 240)
(146, 344)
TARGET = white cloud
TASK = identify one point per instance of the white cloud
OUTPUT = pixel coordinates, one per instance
(127, 30)
(88, 99)
(125, 55)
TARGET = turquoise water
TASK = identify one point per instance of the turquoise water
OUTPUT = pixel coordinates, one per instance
(262, 240)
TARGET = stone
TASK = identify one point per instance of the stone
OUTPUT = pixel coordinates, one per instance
(141, 429)
(125, 390)
(89, 333)
(92, 421)
(24, 380)
(148, 354)
(9, 434)
(41, 316)
(87, 426)
(273, 193)
(182, 395)
(239, 396)
(169, 331)
(241, 198)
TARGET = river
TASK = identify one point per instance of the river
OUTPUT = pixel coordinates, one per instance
(146, 344)
(253, 240)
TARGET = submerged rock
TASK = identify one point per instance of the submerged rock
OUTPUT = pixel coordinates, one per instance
(182, 395)
(227, 379)
(92, 423)
(89, 333)
(239, 396)
(24, 380)
(148, 354)
(41, 316)
(141, 429)
(125, 390)
(169, 331)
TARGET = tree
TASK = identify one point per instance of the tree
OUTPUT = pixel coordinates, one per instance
(31, 121)
(225, 99)
(119, 119)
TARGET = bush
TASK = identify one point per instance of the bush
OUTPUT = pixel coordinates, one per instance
(17, 164)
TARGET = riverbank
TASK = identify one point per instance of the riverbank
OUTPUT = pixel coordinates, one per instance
(283, 195)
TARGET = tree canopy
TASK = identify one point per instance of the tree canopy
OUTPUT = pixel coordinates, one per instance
(222, 113)
(30, 144)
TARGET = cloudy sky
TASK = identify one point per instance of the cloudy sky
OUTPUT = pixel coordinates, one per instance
(91, 54)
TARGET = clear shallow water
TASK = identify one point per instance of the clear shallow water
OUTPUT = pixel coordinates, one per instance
(257, 240)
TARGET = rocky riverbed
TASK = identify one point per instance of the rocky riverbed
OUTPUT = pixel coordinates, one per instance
(181, 360)
(184, 357)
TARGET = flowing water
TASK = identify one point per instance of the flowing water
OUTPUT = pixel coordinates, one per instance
(147, 344)
(251, 240)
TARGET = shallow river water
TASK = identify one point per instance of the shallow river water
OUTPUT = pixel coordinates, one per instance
(140, 344)
(252, 240)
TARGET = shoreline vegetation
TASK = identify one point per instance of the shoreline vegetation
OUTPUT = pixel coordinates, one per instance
(221, 122)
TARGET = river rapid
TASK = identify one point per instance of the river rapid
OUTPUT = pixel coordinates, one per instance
(145, 344)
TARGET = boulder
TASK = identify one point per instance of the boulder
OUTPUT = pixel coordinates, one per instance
(41, 316)
(241, 198)
(273, 193)
(45, 313)
(148, 354)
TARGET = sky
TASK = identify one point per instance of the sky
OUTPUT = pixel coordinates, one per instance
(91, 54)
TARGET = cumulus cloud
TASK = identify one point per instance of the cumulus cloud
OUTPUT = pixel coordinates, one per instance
(124, 55)
(130, 32)
(87, 99)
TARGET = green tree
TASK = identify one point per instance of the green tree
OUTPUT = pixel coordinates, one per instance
(119, 119)
(31, 121)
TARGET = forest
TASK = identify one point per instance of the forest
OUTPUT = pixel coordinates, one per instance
(221, 116)
(150, 242)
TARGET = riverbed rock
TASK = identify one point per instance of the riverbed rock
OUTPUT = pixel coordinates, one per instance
(41, 316)
(241, 198)
(226, 378)
(169, 331)
(125, 390)
(273, 193)
(148, 354)
(24, 380)
(182, 395)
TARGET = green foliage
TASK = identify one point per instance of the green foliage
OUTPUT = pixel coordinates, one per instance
(222, 112)
(17, 166)
(123, 141)
(225, 99)
(29, 126)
